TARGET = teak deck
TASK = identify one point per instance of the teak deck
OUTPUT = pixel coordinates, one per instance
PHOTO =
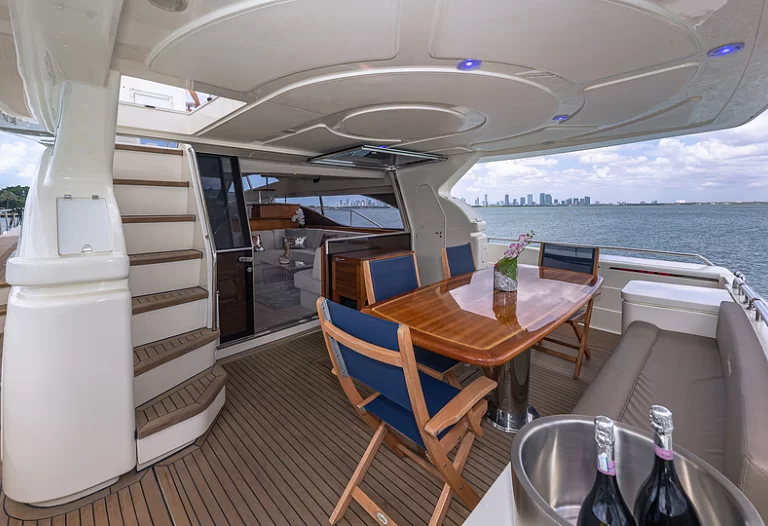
(285, 445)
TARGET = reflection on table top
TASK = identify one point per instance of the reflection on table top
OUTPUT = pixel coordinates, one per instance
(464, 318)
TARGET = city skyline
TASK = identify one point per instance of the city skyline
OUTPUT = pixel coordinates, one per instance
(544, 198)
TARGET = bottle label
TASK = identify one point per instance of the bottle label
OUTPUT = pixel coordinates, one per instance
(605, 466)
(664, 454)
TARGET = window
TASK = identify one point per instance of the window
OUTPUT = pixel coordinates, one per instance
(362, 211)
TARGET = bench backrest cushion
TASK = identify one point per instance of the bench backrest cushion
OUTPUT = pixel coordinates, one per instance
(745, 369)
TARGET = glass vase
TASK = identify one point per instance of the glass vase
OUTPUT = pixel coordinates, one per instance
(506, 281)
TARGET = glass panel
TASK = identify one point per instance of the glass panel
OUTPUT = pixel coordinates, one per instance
(235, 286)
(361, 211)
(224, 200)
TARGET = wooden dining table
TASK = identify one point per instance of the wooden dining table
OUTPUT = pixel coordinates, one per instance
(466, 319)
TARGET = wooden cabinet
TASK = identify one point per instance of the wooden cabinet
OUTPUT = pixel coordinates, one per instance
(272, 216)
(347, 273)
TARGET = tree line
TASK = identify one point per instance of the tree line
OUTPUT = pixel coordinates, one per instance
(13, 197)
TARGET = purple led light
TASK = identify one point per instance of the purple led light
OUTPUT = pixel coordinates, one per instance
(561, 118)
(469, 64)
(728, 49)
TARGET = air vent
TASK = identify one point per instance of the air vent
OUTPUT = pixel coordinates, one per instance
(174, 6)
(375, 158)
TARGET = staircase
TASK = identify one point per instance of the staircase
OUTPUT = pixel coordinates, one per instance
(178, 390)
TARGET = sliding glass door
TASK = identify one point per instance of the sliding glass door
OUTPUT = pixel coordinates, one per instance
(223, 192)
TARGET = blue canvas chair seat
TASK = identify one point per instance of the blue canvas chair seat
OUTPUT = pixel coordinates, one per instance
(404, 402)
(392, 276)
(437, 394)
(458, 260)
(575, 259)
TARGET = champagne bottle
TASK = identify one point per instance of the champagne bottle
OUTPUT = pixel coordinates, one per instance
(661, 500)
(604, 505)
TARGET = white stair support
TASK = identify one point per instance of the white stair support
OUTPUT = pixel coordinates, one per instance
(157, 237)
(149, 200)
(68, 359)
(156, 381)
(159, 445)
(147, 166)
(162, 277)
(170, 321)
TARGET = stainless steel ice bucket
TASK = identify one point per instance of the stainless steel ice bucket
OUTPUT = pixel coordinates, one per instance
(554, 466)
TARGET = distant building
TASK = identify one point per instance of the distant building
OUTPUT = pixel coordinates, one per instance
(514, 202)
(549, 199)
(506, 199)
(587, 200)
(542, 199)
(485, 202)
(477, 201)
(530, 200)
(581, 201)
(654, 202)
(522, 201)
(556, 202)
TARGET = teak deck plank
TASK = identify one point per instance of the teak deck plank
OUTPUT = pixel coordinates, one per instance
(146, 218)
(163, 300)
(149, 182)
(169, 256)
(148, 149)
(285, 445)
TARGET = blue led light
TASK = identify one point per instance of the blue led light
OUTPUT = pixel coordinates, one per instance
(561, 118)
(728, 49)
(469, 64)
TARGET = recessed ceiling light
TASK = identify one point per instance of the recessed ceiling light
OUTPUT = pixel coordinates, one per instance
(174, 6)
(469, 64)
(728, 49)
(561, 118)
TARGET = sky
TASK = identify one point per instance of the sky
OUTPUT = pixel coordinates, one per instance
(728, 165)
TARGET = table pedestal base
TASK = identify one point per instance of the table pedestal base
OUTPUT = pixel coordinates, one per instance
(510, 422)
(508, 408)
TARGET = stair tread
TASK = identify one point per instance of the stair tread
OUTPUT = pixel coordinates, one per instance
(168, 256)
(147, 149)
(163, 300)
(155, 354)
(157, 218)
(3, 310)
(149, 182)
(181, 403)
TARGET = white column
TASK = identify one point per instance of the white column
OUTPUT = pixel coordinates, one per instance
(67, 376)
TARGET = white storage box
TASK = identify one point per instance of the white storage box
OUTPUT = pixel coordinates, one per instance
(680, 308)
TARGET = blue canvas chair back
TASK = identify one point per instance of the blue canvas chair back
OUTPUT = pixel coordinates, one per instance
(564, 257)
(393, 276)
(460, 260)
(389, 380)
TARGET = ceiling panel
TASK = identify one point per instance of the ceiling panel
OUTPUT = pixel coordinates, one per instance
(319, 139)
(624, 99)
(262, 121)
(677, 116)
(244, 45)
(580, 40)
(552, 133)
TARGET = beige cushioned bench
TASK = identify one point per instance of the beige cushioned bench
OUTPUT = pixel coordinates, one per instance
(717, 390)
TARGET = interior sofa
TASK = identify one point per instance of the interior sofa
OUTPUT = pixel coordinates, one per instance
(715, 388)
(309, 282)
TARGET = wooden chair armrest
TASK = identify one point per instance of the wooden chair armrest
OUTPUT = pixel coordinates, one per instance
(457, 408)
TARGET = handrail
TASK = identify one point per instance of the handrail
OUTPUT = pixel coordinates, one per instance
(194, 176)
(363, 216)
(626, 249)
(746, 295)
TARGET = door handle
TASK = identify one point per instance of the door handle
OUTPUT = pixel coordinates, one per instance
(245, 259)
(249, 269)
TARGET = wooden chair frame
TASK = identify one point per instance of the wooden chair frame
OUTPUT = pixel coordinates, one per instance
(464, 413)
(446, 266)
(449, 375)
(583, 316)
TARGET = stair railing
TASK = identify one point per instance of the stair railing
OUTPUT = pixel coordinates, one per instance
(210, 250)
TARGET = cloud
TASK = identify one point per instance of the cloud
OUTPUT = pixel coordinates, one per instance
(18, 160)
(715, 166)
